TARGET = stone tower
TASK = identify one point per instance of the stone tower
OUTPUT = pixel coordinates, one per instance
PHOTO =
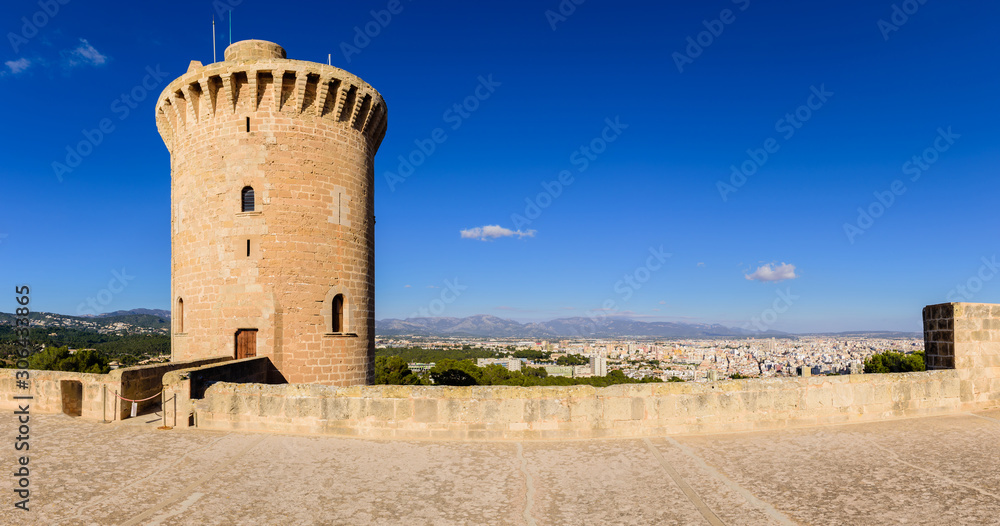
(272, 213)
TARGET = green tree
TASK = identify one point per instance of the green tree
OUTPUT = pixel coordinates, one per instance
(572, 359)
(465, 372)
(59, 359)
(895, 362)
(537, 372)
(419, 355)
(393, 370)
(456, 372)
(532, 355)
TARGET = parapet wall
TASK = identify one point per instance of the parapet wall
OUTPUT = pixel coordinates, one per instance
(963, 346)
(966, 336)
(263, 80)
(631, 410)
(96, 401)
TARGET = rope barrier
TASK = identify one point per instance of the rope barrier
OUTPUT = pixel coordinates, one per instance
(143, 400)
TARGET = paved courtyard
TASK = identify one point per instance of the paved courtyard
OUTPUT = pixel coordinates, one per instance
(942, 470)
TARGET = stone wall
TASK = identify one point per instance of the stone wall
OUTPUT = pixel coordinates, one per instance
(966, 337)
(144, 381)
(98, 401)
(963, 348)
(181, 387)
(500, 412)
(46, 390)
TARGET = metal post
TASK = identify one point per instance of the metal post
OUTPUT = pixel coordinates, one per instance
(163, 407)
(104, 403)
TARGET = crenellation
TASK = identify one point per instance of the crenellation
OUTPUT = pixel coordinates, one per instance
(228, 93)
(253, 93)
(361, 112)
(191, 97)
(344, 102)
(298, 98)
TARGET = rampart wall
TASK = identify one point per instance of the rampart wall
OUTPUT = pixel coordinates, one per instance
(97, 400)
(962, 345)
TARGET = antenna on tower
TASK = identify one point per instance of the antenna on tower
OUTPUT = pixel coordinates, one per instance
(329, 59)
(214, 58)
(230, 27)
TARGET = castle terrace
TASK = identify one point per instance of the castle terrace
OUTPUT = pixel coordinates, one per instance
(918, 448)
(934, 470)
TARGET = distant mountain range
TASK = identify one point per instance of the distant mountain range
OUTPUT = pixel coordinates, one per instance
(141, 321)
(486, 326)
(866, 334)
(491, 326)
(159, 313)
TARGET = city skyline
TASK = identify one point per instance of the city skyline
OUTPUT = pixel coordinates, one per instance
(604, 160)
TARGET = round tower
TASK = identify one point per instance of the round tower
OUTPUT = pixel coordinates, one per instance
(272, 213)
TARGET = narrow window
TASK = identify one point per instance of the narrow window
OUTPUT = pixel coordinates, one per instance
(338, 313)
(248, 248)
(248, 199)
(248, 124)
(179, 315)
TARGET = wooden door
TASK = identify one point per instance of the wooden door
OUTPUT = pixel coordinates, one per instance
(246, 343)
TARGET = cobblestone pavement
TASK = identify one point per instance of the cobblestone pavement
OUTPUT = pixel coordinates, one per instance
(941, 470)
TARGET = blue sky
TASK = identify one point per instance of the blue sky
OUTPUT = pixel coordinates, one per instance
(649, 220)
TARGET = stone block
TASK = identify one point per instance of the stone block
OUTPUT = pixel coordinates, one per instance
(425, 410)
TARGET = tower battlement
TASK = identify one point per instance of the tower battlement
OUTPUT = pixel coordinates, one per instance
(256, 77)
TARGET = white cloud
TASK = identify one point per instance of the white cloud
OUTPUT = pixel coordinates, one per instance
(701, 264)
(85, 54)
(773, 272)
(488, 232)
(19, 65)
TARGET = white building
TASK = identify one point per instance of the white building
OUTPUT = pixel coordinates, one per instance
(599, 365)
